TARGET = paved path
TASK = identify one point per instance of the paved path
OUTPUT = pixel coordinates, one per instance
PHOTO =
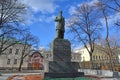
(6, 75)
(110, 79)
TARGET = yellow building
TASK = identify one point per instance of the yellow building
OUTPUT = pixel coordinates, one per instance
(99, 57)
(11, 57)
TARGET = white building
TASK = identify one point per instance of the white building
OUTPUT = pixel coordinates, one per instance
(84, 54)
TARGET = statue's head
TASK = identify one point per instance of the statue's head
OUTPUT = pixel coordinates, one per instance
(60, 13)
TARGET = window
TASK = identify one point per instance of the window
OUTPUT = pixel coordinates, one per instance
(17, 50)
(96, 57)
(93, 57)
(8, 61)
(78, 57)
(99, 58)
(10, 51)
(15, 61)
(102, 57)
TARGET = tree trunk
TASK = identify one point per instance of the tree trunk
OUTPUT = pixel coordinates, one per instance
(20, 66)
(110, 56)
(91, 62)
(107, 39)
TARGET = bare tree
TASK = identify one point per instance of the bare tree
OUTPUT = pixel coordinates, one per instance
(118, 22)
(10, 12)
(113, 6)
(102, 5)
(84, 26)
(117, 9)
(28, 40)
(9, 37)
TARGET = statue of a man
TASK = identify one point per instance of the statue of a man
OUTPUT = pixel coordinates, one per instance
(60, 26)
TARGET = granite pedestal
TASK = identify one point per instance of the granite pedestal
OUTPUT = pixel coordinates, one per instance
(61, 66)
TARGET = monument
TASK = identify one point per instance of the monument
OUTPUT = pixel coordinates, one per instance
(61, 66)
(60, 29)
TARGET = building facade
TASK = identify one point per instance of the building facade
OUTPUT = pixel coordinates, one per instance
(11, 57)
(76, 57)
(100, 59)
(84, 54)
(35, 61)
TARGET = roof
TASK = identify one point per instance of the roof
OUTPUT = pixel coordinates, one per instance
(35, 51)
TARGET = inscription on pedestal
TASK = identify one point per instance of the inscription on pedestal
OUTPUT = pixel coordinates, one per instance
(61, 50)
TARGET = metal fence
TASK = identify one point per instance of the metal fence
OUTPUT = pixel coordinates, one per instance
(105, 73)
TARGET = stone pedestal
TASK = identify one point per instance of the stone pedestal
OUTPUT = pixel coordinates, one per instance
(61, 50)
(64, 75)
(61, 66)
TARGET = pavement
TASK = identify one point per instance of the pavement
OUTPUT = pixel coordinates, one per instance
(100, 77)
(6, 75)
(109, 79)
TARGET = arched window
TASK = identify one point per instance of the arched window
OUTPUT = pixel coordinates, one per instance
(99, 57)
(96, 57)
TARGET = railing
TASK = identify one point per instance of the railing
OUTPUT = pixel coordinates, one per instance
(105, 73)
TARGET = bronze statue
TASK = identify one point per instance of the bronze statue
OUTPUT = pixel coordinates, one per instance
(60, 26)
